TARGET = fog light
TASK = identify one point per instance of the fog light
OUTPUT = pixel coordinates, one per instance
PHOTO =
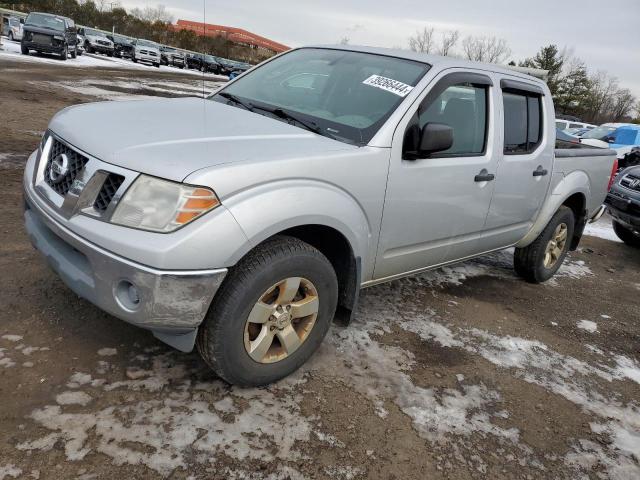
(127, 295)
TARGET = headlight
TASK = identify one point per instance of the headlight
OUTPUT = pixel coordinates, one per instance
(58, 37)
(44, 139)
(162, 206)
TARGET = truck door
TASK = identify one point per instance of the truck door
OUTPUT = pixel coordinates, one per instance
(435, 207)
(526, 162)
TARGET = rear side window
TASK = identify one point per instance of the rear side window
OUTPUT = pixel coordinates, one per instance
(522, 122)
(625, 136)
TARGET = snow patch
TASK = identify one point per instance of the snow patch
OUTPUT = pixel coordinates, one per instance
(73, 398)
(12, 338)
(588, 325)
(602, 229)
(10, 470)
(107, 352)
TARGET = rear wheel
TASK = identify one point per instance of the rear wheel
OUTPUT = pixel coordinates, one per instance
(65, 53)
(24, 50)
(540, 260)
(271, 313)
(74, 54)
(11, 36)
(626, 234)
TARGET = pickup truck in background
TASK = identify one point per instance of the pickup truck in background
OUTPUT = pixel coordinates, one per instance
(245, 222)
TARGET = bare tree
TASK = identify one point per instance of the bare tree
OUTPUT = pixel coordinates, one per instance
(344, 41)
(624, 104)
(153, 14)
(449, 41)
(485, 49)
(422, 41)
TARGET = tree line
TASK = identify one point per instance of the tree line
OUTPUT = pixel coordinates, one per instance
(152, 23)
(594, 97)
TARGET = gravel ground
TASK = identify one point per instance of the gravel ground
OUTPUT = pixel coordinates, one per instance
(464, 372)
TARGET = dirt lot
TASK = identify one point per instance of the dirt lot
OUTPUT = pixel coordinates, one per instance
(465, 372)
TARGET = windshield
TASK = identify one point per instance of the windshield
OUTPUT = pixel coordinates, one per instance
(625, 136)
(146, 43)
(94, 33)
(46, 21)
(348, 95)
(599, 133)
(210, 58)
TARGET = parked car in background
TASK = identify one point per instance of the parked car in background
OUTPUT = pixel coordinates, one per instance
(565, 140)
(96, 41)
(122, 46)
(170, 56)
(231, 222)
(46, 33)
(622, 139)
(80, 44)
(623, 202)
(210, 64)
(563, 124)
(146, 51)
(194, 60)
(577, 132)
(12, 28)
(597, 137)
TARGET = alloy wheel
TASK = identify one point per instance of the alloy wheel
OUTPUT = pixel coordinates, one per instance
(281, 320)
(556, 246)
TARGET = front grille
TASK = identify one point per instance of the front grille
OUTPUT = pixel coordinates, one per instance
(42, 39)
(102, 42)
(108, 190)
(75, 164)
(632, 182)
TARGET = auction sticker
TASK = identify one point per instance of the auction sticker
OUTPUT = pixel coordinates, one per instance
(389, 84)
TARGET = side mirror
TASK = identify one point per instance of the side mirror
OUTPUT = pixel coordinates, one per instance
(435, 137)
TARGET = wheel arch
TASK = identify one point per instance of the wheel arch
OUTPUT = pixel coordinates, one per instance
(571, 191)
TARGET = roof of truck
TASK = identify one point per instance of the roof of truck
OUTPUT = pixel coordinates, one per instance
(440, 61)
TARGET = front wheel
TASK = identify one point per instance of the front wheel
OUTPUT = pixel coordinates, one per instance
(271, 313)
(627, 235)
(11, 36)
(157, 65)
(74, 54)
(65, 53)
(24, 50)
(540, 260)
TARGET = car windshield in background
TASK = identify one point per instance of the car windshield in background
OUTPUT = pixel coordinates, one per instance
(147, 43)
(46, 21)
(599, 133)
(120, 39)
(94, 33)
(346, 95)
(210, 58)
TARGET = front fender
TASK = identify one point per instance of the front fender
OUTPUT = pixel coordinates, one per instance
(562, 187)
(267, 209)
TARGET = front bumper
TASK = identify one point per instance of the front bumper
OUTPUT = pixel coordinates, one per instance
(44, 47)
(171, 304)
(101, 48)
(623, 209)
(145, 57)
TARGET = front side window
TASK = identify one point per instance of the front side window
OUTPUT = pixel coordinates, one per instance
(463, 107)
(347, 95)
(522, 122)
(625, 136)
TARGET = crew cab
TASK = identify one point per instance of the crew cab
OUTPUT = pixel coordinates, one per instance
(46, 33)
(245, 222)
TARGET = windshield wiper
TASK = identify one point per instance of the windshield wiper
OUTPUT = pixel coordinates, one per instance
(235, 99)
(280, 113)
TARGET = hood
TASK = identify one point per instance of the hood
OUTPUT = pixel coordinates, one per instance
(171, 138)
(594, 142)
(43, 30)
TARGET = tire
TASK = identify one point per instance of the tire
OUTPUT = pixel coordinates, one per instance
(110, 54)
(134, 59)
(627, 235)
(157, 65)
(24, 50)
(65, 53)
(11, 36)
(88, 48)
(222, 336)
(74, 54)
(529, 262)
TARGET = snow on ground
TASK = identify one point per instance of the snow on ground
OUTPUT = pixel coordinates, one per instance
(197, 414)
(9, 470)
(131, 89)
(588, 325)
(602, 229)
(11, 51)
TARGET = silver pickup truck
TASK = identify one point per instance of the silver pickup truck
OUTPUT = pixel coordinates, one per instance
(245, 222)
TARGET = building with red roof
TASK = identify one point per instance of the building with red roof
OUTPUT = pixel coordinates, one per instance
(236, 35)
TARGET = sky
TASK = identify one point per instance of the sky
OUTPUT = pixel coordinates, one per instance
(605, 34)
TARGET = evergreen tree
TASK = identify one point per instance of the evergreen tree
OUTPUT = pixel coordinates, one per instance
(550, 59)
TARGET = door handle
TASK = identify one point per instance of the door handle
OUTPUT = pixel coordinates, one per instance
(484, 176)
(540, 172)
